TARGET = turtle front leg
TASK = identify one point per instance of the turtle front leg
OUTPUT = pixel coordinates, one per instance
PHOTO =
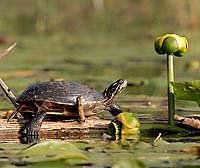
(32, 127)
(81, 114)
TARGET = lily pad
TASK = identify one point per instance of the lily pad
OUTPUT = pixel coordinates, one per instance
(53, 150)
(49, 164)
(187, 90)
(129, 163)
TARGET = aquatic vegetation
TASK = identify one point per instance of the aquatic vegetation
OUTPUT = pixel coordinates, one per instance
(54, 153)
(172, 45)
(125, 126)
(187, 90)
(96, 68)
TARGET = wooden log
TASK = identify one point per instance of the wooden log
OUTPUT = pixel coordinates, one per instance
(63, 129)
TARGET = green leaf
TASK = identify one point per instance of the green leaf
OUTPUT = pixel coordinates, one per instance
(53, 150)
(187, 90)
(49, 164)
(129, 163)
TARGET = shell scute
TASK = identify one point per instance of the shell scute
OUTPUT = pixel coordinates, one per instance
(60, 92)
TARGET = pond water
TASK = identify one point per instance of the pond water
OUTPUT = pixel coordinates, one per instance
(145, 97)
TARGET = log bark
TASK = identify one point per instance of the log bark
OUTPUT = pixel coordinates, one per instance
(62, 129)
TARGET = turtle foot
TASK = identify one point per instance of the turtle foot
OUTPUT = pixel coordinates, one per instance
(32, 127)
(30, 130)
(25, 139)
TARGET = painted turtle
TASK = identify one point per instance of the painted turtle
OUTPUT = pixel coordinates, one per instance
(65, 98)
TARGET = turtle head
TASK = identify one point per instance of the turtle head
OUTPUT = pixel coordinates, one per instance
(115, 88)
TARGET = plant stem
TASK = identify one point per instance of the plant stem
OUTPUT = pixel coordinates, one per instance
(3, 53)
(170, 78)
(8, 93)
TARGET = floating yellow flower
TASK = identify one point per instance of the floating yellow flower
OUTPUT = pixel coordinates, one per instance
(125, 125)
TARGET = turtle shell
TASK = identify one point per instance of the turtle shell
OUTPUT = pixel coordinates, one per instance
(60, 92)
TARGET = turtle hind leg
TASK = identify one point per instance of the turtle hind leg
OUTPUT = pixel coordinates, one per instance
(15, 112)
(81, 114)
(32, 127)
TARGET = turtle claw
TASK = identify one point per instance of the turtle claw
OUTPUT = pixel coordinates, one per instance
(24, 139)
(29, 133)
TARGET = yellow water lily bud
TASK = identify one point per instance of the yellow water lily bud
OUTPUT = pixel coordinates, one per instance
(171, 44)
